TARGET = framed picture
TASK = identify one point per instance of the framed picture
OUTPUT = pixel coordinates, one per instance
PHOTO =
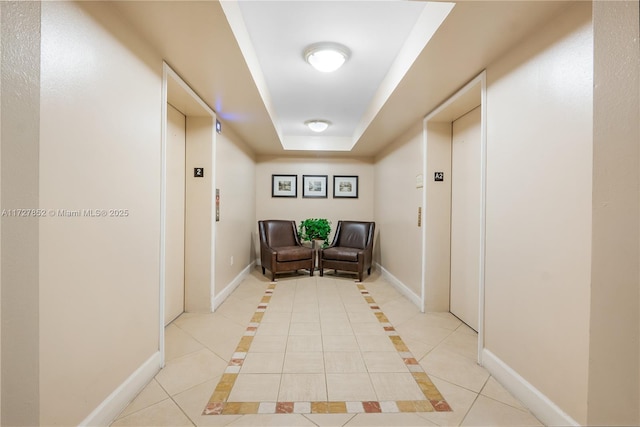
(345, 186)
(314, 186)
(284, 185)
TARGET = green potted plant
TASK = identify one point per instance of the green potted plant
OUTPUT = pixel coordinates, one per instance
(313, 229)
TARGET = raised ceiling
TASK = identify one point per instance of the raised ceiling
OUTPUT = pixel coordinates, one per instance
(245, 59)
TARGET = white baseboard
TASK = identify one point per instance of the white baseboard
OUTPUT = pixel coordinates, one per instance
(117, 401)
(219, 298)
(401, 287)
(539, 404)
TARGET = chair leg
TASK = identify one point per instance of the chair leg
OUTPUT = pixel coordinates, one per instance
(262, 270)
(273, 276)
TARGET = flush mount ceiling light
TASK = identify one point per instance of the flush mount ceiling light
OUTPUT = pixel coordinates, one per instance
(326, 57)
(317, 125)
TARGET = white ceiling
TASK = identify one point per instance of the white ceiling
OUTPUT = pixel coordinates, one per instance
(279, 32)
(245, 59)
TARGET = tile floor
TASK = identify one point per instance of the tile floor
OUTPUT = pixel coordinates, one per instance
(321, 351)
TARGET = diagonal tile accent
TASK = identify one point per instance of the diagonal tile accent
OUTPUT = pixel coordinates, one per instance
(219, 403)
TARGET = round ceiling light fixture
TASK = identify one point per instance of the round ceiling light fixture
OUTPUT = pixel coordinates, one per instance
(317, 125)
(326, 57)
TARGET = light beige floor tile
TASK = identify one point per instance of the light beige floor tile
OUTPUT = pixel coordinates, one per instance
(268, 344)
(394, 386)
(181, 374)
(368, 328)
(384, 361)
(355, 303)
(459, 399)
(330, 305)
(193, 401)
(275, 420)
(304, 362)
(464, 329)
(305, 317)
(302, 388)
(273, 328)
(271, 316)
(307, 307)
(399, 310)
(375, 343)
(297, 343)
(455, 368)
(340, 362)
(340, 343)
(178, 343)
(462, 343)
(165, 413)
(489, 412)
(336, 327)
(418, 331)
(366, 316)
(238, 310)
(150, 395)
(305, 329)
(282, 304)
(250, 290)
(438, 320)
(350, 387)
(417, 348)
(329, 420)
(262, 363)
(218, 333)
(255, 388)
(386, 420)
(494, 390)
(339, 314)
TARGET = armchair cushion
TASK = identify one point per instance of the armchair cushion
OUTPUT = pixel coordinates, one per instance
(292, 253)
(342, 254)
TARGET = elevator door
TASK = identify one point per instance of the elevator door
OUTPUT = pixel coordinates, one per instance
(465, 217)
(174, 267)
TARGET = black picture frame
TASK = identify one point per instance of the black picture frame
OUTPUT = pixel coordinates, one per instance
(284, 186)
(314, 186)
(345, 186)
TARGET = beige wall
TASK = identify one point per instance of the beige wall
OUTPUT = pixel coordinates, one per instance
(235, 177)
(538, 228)
(99, 149)
(199, 217)
(300, 208)
(19, 79)
(396, 209)
(614, 358)
(437, 217)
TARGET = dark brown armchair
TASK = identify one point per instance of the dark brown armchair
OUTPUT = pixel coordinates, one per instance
(351, 250)
(280, 248)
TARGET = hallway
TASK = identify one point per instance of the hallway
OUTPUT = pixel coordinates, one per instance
(321, 351)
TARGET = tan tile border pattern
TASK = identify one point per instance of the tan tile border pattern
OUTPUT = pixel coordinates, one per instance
(218, 404)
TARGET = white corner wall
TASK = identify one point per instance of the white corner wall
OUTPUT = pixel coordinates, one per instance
(100, 147)
(614, 385)
(19, 85)
(399, 247)
(538, 219)
(235, 177)
(437, 217)
(199, 214)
